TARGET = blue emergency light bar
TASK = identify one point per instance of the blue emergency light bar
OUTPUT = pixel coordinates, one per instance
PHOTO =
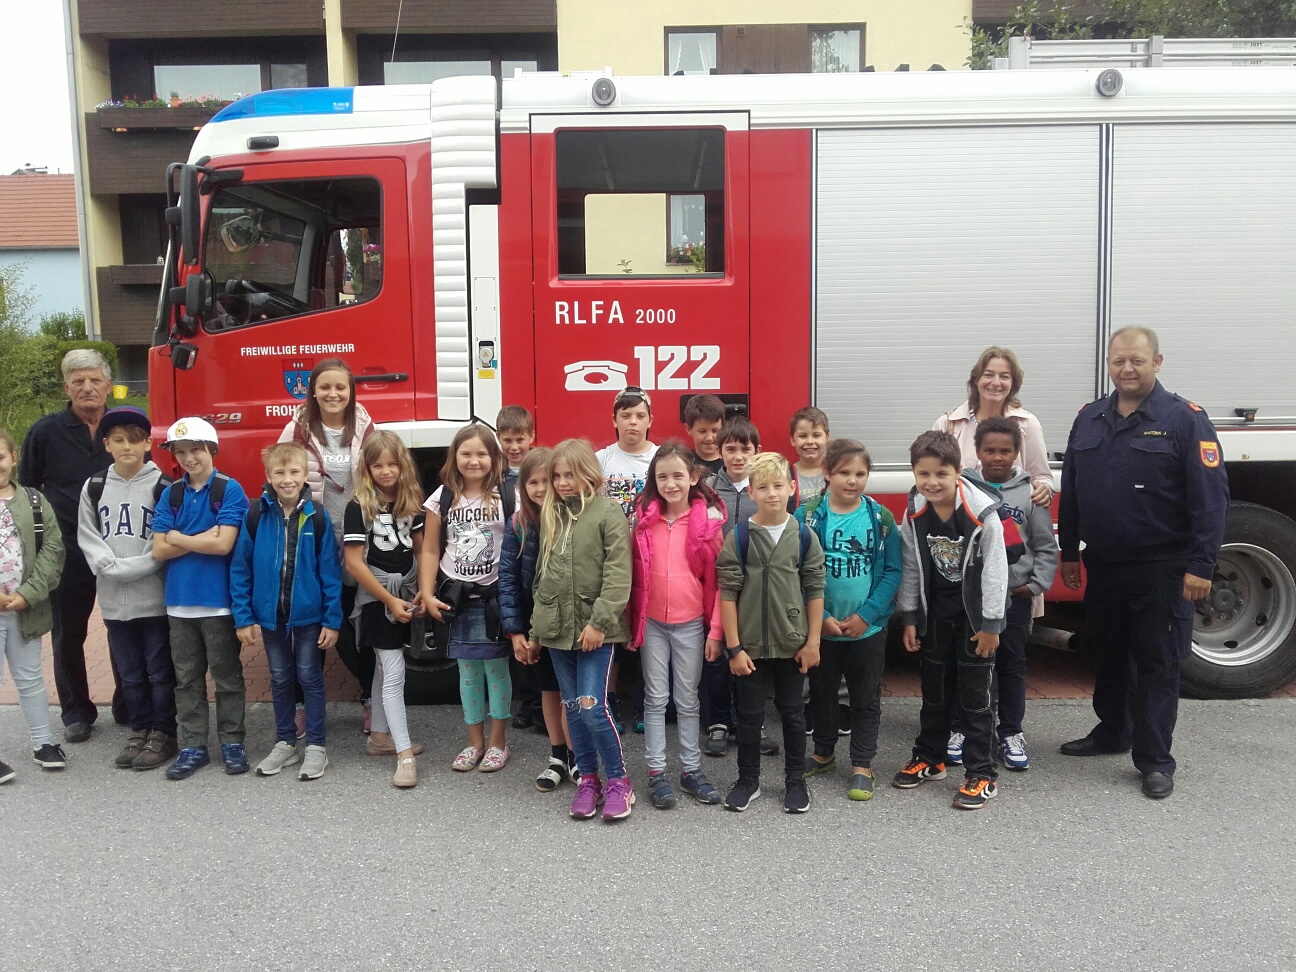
(289, 101)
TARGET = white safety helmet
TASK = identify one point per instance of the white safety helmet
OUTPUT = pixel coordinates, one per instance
(191, 430)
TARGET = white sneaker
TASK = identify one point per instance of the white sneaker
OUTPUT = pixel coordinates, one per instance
(314, 764)
(1014, 753)
(954, 749)
(283, 754)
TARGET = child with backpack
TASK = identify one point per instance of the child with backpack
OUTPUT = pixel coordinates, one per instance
(383, 537)
(286, 579)
(115, 530)
(677, 534)
(458, 578)
(582, 588)
(862, 574)
(31, 560)
(194, 530)
(771, 579)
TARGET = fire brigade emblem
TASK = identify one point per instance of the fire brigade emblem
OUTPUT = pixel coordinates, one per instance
(947, 557)
(1210, 454)
(296, 377)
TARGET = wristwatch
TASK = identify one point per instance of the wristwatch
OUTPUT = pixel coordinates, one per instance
(732, 652)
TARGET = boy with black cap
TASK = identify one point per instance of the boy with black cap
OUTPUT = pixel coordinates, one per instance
(115, 531)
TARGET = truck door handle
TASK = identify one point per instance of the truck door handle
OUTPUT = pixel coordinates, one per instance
(393, 376)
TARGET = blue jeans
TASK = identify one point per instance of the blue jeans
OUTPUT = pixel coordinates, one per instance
(583, 677)
(294, 658)
(141, 648)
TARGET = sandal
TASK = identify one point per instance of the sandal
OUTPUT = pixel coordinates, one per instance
(552, 776)
(494, 760)
(467, 760)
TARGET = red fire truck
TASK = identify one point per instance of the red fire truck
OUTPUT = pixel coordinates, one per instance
(851, 241)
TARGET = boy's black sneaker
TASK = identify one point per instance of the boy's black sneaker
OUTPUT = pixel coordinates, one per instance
(916, 772)
(523, 719)
(50, 757)
(809, 720)
(717, 741)
(7, 772)
(797, 797)
(975, 793)
(742, 794)
(843, 720)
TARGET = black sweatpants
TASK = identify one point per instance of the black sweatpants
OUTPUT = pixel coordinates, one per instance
(861, 662)
(955, 679)
(752, 690)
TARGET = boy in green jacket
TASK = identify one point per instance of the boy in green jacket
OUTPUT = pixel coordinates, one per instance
(31, 562)
(771, 579)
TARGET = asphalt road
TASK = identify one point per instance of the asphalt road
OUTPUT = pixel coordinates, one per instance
(1070, 868)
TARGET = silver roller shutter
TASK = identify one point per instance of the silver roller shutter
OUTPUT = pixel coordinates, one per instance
(932, 244)
(1204, 248)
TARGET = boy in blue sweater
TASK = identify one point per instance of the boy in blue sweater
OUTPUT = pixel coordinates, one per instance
(286, 578)
(194, 529)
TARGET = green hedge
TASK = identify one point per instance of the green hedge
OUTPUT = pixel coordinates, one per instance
(29, 365)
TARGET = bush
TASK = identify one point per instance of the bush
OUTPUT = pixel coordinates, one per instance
(63, 325)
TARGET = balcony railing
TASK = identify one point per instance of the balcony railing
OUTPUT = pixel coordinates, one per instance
(128, 149)
(128, 297)
(446, 16)
(181, 18)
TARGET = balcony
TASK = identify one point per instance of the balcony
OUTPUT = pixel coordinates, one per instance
(128, 297)
(177, 18)
(451, 16)
(128, 149)
(1002, 11)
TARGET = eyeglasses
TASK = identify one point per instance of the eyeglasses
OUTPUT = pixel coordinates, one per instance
(631, 392)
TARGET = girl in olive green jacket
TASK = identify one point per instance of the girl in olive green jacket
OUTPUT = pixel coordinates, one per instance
(582, 588)
(31, 562)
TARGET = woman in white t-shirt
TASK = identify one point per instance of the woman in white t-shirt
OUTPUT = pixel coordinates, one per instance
(463, 538)
(332, 426)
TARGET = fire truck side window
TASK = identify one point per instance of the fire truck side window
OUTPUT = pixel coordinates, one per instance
(646, 201)
(283, 249)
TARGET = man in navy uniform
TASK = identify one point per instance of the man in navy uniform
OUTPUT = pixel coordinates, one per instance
(1144, 487)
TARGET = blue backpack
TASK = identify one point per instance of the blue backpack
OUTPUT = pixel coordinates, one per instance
(742, 536)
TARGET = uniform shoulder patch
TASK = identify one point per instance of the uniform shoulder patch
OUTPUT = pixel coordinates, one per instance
(1210, 454)
(1195, 407)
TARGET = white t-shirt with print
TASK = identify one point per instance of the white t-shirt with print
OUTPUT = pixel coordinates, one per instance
(11, 553)
(474, 537)
(624, 474)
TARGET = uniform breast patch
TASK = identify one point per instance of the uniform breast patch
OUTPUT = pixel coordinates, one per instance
(1210, 454)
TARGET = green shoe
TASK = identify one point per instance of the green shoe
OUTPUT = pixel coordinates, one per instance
(816, 767)
(861, 787)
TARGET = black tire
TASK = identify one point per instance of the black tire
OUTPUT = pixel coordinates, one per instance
(1271, 603)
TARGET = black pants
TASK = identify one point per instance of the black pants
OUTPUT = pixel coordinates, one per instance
(359, 661)
(955, 679)
(1010, 667)
(1141, 629)
(861, 662)
(72, 603)
(526, 686)
(716, 694)
(752, 690)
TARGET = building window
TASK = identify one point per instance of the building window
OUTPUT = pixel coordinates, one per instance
(691, 52)
(281, 249)
(630, 199)
(288, 76)
(425, 72)
(225, 81)
(507, 67)
(835, 50)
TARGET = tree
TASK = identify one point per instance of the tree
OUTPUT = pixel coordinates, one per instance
(16, 300)
(1205, 18)
(63, 326)
(1054, 20)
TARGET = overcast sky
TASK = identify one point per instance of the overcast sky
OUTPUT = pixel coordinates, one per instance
(35, 120)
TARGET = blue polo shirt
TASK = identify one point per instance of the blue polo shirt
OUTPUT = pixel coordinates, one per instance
(200, 580)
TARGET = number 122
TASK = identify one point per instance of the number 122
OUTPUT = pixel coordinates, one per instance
(674, 356)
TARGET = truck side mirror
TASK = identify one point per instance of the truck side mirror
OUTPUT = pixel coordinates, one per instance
(190, 215)
(197, 295)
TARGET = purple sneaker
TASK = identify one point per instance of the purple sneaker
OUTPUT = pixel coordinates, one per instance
(589, 795)
(619, 799)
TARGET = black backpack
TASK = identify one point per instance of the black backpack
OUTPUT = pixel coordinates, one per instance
(95, 488)
(317, 518)
(38, 517)
(742, 537)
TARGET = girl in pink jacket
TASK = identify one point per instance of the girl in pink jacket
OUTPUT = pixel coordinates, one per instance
(674, 609)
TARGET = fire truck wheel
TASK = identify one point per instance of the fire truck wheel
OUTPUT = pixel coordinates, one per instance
(432, 684)
(1244, 642)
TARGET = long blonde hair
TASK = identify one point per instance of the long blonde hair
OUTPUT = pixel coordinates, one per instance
(554, 526)
(528, 513)
(493, 484)
(409, 494)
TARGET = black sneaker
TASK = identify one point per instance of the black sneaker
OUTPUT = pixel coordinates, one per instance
(809, 717)
(742, 794)
(717, 741)
(77, 732)
(843, 720)
(975, 793)
(50, 757)
(523, 719)
(7, 772)
(768, 747)
(660, 792)
(797, 797)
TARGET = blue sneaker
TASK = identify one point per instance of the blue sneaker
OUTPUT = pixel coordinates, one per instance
(954, 749)
(614, 710)
(189, 761)
(235, 758)
(699, 788)
(1014, 753)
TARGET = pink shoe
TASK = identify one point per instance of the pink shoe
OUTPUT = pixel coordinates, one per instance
(589, 795)
(619, 798)
(494, 760)
(467, 759)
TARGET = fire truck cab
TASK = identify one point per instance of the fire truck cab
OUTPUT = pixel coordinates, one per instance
(851, 241)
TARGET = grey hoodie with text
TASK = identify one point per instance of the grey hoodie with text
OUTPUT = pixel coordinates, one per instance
(117, 540)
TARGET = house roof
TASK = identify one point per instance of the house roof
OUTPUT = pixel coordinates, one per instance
(38, 212)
